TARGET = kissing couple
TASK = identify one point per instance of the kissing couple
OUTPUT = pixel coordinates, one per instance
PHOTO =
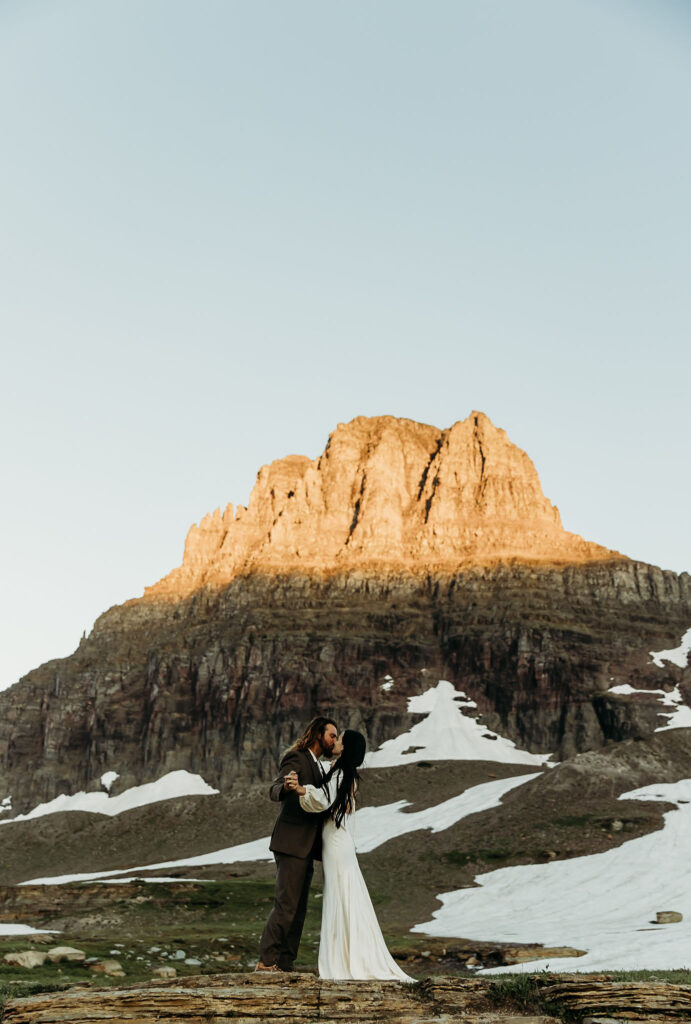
(316, 823)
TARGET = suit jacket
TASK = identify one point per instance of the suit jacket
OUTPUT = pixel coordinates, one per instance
(296, 832)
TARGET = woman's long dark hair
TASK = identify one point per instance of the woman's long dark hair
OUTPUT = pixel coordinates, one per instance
(354, 747)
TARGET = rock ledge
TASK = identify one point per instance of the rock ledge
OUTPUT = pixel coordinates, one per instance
(251, 998)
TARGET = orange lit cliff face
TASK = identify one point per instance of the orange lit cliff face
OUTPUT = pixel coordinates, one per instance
(386, 494)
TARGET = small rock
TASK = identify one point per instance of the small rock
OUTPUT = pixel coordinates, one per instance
(472, 961)
(27, 958)
(113, 968)
(154, 949)
(179, 954)
(59, 953)
(426, 953)
(165, 972)
(192, 961)
(617, 825)
(668, 917)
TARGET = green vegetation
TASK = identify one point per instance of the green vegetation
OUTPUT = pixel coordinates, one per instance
(521, 992)
(216, 923)
(576, 820)
(479, 856)
(17, 989)
(525, 992)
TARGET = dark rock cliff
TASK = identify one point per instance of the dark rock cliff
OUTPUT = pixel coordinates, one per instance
(219, 682)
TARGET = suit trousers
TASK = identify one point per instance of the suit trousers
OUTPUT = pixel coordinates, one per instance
(281, 936)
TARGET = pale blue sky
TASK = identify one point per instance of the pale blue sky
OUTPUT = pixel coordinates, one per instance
(228, 226)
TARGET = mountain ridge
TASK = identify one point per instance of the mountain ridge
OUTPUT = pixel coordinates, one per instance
(385, 493)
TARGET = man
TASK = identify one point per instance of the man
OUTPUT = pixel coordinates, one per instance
(296, 844)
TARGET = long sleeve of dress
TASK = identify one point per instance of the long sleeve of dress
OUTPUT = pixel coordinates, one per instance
(317, 799)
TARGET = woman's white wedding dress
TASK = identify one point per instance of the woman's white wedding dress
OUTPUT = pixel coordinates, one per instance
(351, 944)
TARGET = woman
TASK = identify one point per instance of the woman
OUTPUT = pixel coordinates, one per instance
(352, 945)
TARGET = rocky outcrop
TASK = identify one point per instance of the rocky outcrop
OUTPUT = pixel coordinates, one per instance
(302, 997)
(385, 493)
(402, 551)
(250, 999)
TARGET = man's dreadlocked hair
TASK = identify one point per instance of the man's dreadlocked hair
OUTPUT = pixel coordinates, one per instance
(313, 731)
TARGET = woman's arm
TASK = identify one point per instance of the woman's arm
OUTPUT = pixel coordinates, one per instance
(317, 799)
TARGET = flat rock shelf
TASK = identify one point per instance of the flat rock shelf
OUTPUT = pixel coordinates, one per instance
(252, 999)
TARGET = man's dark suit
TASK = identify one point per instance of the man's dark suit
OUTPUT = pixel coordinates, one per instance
(296, 844)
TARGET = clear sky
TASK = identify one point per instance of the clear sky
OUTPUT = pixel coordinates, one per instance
(228, 226)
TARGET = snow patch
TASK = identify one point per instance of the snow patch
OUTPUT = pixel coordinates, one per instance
(253, 851)
(372, 827)
(108, 778)
(170, 786)
(156, 878)
(446, 734)
(627, 689)
(680, 715)
(24, 929)
(604, 903)
(678, 656)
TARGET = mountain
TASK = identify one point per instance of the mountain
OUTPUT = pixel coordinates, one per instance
(403, 555)
(385, 494)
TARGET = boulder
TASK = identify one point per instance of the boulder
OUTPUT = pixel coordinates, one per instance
(165, 972)
(59, 953)
(27, 958)
(668, 917)
(112, 968)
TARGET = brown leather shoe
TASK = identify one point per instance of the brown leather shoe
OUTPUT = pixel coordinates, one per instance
(270, 968)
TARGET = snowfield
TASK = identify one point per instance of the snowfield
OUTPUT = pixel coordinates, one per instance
(604, 903)
(168, 787)
(23, 929)
(446, 734)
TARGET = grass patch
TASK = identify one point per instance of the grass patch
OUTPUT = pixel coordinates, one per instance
(217, 924)
(676, 977)
(575, 820)
(17, 990)
(524, 992)
(476, 856)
